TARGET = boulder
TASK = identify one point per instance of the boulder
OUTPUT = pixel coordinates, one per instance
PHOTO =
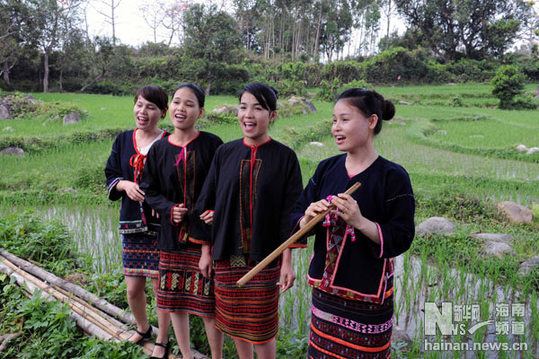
(521, 148)
(72, 117)
(7, 129)
(226, 110)
(528, 266)
(316, 144)
(497, 248)
(4, 112)
(12, 151)
(532, 150)
(514, 212)
(494, 237)
(31, 98)
(435, 225)
(399, 335)
(306, 105)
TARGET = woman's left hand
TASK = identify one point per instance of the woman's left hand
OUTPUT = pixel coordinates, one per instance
(287, 277)
(348, 209)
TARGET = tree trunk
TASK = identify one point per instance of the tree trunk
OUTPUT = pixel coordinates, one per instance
(388, 22)
(5, 73)
(96, 79)
(316, 50)
(208, 87)
(113, 22)
(46, 72)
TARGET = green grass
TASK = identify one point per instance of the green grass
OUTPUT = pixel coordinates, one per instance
(460, 174)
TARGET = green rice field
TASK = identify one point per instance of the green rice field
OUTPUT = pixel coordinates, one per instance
(459, 150)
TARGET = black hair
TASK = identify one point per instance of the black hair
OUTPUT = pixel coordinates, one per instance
(155, 95)
(264, 94)
(369, 103)
(199, 93)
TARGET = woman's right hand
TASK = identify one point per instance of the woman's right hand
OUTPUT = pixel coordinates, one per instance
(205, 262)
(314, 209)
(131, 189)
(207, 217)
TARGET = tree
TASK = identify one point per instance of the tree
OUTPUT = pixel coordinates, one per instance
(14, 35)
(51, 22)
(336, 27)
(508, 83)
(110, 14)
(211, 40)
(460, 28)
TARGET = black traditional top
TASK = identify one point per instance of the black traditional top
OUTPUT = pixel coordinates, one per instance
(252, 190)
(126, 163)
(345, 261)
(174, 175)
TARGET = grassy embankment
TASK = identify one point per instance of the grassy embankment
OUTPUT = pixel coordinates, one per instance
(459, 150)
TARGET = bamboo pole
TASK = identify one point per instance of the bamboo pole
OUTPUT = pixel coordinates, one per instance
(70, 287)
(277, 252)
(91, 319)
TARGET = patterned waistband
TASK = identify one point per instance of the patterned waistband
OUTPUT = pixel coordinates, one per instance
(352, 324)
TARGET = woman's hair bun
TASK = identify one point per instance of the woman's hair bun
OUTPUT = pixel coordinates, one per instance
(388, 110)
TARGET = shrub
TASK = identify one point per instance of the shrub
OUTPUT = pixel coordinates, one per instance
(344, 71)
(328, 91)
(355, 84)
(508, 83)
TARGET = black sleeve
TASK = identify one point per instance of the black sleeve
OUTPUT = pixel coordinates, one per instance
(151, 186)
(397, 230)
(294, 186)
(310, 194)
(206, 201)
(113, 171)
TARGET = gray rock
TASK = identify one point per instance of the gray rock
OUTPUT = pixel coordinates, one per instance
(529, 265)
(399, 335)
(12, 151)
(435, 225)
(4, 113)
(494, 237)
(226, 110)
(514, 212)
(31, 98)
(8, 129)
(497, 248)
(310, 105)
(521, 148)
(306, 105)
(72, 117)
(401, 102)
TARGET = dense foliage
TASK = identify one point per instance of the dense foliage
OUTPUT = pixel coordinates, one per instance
(292, 44)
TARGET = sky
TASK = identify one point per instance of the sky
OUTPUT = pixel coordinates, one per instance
(131, 28)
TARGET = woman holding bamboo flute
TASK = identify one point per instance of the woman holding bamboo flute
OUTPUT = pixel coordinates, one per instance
(248, 197)
(351, 271)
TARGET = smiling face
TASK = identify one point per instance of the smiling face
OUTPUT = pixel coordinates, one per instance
(254, 120)
(351, 130)
(184, 109)
(147, 114)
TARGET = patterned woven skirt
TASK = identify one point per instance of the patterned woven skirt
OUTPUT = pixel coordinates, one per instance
(140, 256)
(250, 312)
(342, 328)
(182, 287)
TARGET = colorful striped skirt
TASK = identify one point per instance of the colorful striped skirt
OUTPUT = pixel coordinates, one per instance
(140, 256)
(249, 313)
(182, 287)
(342, 328)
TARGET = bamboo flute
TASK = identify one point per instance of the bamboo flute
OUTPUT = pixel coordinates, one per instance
(277, 252)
